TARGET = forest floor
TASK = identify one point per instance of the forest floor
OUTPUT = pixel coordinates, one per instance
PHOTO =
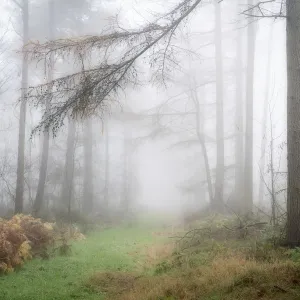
(142, 263)
(64, 277)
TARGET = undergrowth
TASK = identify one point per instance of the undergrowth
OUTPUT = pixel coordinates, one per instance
(224, 259)
(24, 237)
(219, 259)
(21, 238)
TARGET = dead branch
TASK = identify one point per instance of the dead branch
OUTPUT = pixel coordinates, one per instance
(82, 93)
(259, 10)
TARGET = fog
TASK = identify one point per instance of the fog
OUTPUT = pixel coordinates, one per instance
(141, 150)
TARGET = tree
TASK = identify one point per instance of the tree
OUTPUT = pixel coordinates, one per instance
(293, 129)
(75, 11)
(215, 203)
(293, 109)
(126, 199)
(67, 185)
(88, 168)
(239, 120)
(197, 116)
(45, 148)
(85, 92)
(107, 166)
(219, 185)
(19, 201)
(264, 122)
(248, 167)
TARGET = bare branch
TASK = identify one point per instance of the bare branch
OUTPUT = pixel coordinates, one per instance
(82, 93)
(259, 10)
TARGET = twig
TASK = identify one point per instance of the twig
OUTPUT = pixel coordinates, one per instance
(280, 289)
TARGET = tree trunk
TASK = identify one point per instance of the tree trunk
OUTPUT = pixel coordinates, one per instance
(19, 200)
(273, 178)
(199, 131)
(239, 121)
(217, 205)
(213, 201)
(67, 188)
(88, 201)
(248, 178)
(45, 148)
(126, 171)
(264, 124)
(293, 116)
(107, 175)
(38, 203)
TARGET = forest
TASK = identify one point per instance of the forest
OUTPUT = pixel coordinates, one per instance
(150, 149)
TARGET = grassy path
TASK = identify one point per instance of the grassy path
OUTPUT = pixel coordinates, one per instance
(214, 270)
(62, 278)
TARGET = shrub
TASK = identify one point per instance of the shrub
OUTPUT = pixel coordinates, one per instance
(14, 246)
(63, 234)
(294, 254)
(163, 267)
(21, 238)
(39, 234)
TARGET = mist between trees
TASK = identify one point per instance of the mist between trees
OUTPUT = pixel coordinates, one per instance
(111, 108)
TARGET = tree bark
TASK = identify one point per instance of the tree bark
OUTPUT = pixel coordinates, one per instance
(248, 169)
(217, 205)
(45, 148)
(19, 200)
(293, 125)
(88, 201)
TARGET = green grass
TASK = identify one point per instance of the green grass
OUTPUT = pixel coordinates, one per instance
(137, 264)
(63, 277)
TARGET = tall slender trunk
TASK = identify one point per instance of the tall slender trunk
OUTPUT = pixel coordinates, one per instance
(239, 119)
(201, 139)
(126, 173)
(264, 123)
(200, 130)
(45, 148)
(19, 200)
(273, 177)
(107, 165)
(67, 187)
(293, 116)
(88, 201)
(30, 167)
(217, 204)
(200, 123)
(248, 169)
(29, 174)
